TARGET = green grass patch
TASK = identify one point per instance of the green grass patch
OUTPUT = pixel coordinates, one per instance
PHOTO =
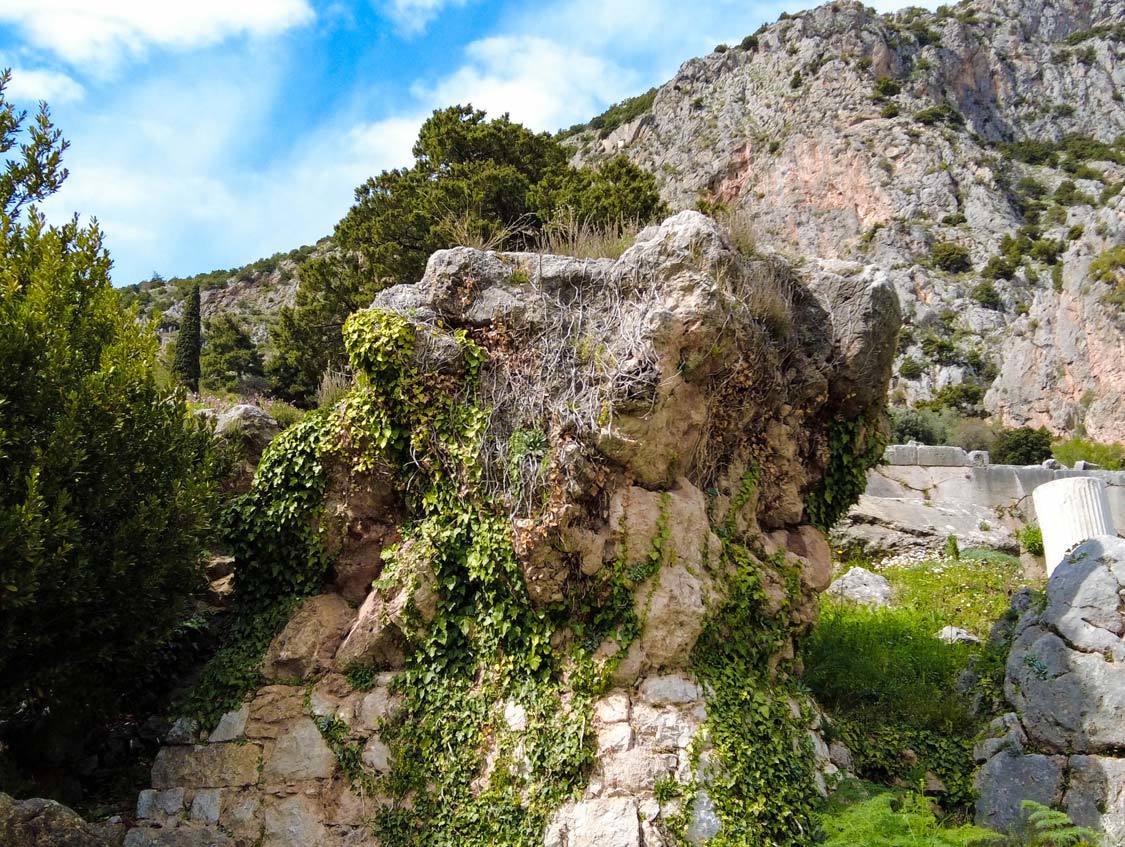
(971, 593)
(860, 813)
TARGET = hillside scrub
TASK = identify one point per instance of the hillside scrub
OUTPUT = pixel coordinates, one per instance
(106, 482)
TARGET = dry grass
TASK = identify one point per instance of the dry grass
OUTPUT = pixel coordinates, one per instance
(333, 386)
(571, 235)
(468, 230)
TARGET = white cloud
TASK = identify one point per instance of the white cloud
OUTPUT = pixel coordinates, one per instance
(175, 182)
(542, 83)
(104, 31)
(412, 16)
(33, 85)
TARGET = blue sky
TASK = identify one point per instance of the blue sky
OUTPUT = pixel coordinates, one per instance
(210, 133)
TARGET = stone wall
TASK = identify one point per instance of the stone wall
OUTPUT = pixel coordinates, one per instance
(921, 495)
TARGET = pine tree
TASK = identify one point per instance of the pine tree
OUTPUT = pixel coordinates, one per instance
(189, 343)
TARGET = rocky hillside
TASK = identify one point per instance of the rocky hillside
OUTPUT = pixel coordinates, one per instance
(973, 157)
(253, 293)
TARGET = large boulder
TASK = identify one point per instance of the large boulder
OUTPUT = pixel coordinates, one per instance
(601, 469)
(45, 823)
(1066, 683)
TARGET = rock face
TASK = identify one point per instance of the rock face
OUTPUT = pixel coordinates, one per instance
(802, 135)
(1066, 684)
(657, 427)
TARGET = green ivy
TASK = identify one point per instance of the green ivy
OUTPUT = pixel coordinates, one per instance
(759, 771)
(854, 447)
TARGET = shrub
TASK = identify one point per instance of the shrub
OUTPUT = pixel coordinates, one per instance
(986, 294)
(885, 87)
(1046, 250)
(939, 349)
(954, 219)
(921, 425)
(952, 548)
(106, 482)
(1031, 539)
(962, 397)
(891, 110)
(971, 434)
(1109, 456)
(911, 368)
(999, 267)
(795, 81)
(942, 113)
(750, 42)
(1022, 446)
(721, 48)
(1067, 194)
(950, 256)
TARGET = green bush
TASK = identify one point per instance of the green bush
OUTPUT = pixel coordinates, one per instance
(750, 42)
(986, 294)
(954, 219)
(891, 110)
(1067, 194)
(962, 397)
(1031, 539)
(1108, 456)
(1046, 250)
(911, 368)
(1022, 446)
(230, 360)
(950, 256)
(106, 482)
(921, 425)
(885, 87)
(941, 113)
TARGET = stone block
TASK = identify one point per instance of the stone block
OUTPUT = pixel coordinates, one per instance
(206, 766)
(300, 753)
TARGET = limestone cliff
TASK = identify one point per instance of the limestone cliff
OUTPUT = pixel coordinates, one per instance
(573, 502)
(841, 133)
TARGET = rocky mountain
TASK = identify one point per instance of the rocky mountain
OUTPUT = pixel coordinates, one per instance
(973, 157)
(252, 293)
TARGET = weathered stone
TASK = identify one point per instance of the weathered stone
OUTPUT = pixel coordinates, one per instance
(1007, 779)
(956, 635)
(294, 821)
(206, 806)
(247, 427)
(860, 585)
(704, 824)
(670, 689)
(183, 731)
(309, 640)
(181, 835)
(1095, 795)
(378, 635)
(376, 755)
(809, 543)
(206, 766)
(596, 823)
(378, 704)
(272, 710)
(300, 753)
(231, 725)
(44, 823)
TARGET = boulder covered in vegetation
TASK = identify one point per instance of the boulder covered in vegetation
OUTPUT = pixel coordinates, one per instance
(588, 493)
(1065, 681)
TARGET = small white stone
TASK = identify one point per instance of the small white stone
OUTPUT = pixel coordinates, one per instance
(615, 737)
(612, 708)
(170, 801)
(515, 716)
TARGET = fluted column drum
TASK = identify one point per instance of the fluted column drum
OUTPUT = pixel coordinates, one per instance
(1071, 511)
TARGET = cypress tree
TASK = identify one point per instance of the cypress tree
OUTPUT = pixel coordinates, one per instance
(189, 343)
